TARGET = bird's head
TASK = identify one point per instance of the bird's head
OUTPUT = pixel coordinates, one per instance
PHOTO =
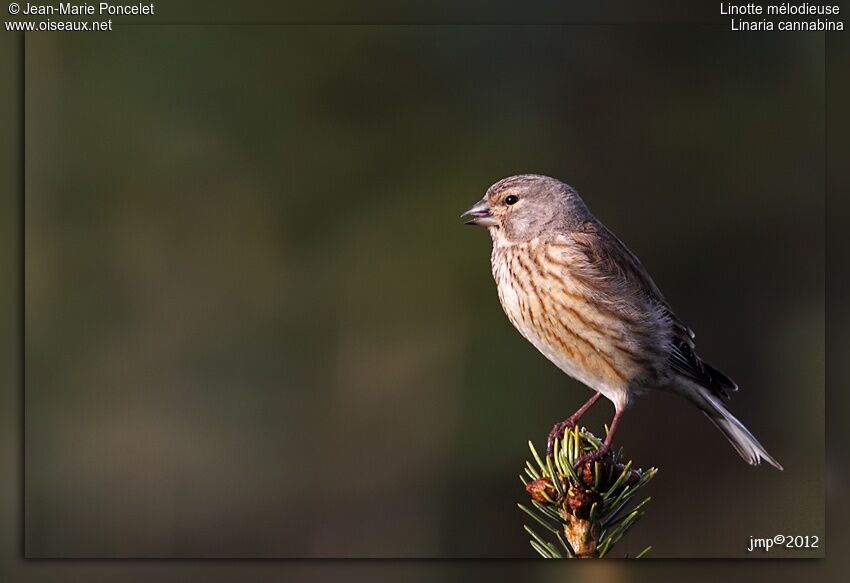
(522, 207)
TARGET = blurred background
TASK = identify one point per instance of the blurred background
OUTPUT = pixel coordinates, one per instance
(256, 327)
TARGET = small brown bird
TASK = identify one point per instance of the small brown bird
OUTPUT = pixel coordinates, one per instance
(584, 300)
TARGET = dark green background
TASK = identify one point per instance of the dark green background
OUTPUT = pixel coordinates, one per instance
(256, 326)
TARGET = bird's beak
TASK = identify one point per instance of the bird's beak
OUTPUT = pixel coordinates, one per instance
(480, 215)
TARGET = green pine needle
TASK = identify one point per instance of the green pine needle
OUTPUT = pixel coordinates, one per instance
(569, 502)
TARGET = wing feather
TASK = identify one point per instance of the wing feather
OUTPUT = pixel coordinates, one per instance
(622, 279)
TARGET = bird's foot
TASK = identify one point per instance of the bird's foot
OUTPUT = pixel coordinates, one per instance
(592, 456)
(557, 433)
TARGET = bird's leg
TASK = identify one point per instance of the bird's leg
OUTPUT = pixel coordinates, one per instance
(606, 445)
(568, 423)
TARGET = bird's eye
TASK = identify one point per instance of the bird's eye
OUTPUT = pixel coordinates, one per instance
(511, 199)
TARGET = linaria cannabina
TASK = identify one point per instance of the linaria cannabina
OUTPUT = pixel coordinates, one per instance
(584, 300)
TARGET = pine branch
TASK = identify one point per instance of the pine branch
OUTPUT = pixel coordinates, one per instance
(585, 511)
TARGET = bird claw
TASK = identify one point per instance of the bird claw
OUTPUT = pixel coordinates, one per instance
(591, 456)
(558, 432)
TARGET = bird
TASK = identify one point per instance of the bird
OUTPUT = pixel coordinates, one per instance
(585, 301)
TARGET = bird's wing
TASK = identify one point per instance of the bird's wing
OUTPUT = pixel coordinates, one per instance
(616, 272)
(620, 276)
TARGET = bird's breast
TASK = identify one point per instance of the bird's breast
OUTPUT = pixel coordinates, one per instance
(556, 312)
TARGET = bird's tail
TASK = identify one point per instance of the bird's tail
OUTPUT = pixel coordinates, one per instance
(747, 446)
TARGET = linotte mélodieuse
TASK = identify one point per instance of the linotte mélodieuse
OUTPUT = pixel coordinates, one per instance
(788, 8)
(784, 9)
